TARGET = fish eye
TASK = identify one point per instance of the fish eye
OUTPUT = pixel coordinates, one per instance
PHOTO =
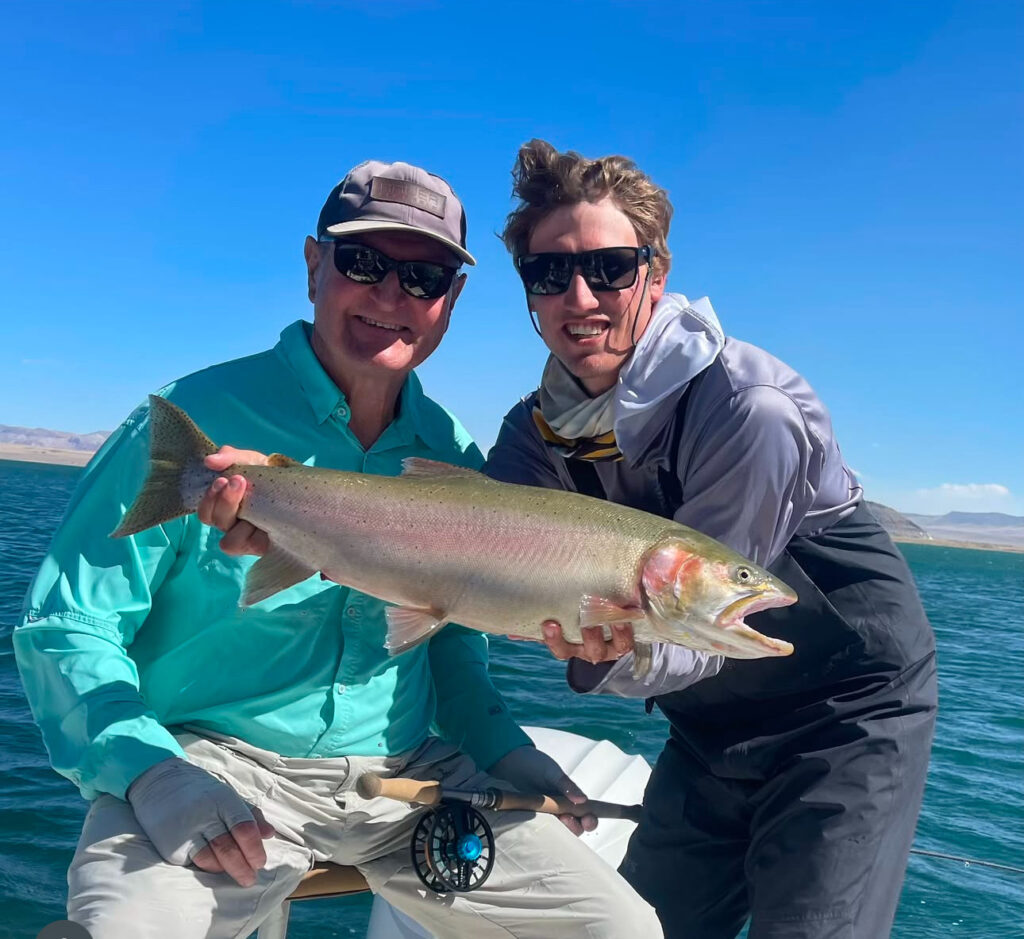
(744, 574)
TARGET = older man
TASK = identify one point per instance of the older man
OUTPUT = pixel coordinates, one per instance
(221, 746)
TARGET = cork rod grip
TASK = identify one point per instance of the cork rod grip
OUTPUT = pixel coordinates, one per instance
(413, 791)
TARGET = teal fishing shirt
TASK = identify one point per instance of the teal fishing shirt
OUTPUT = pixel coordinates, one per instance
(122, 639)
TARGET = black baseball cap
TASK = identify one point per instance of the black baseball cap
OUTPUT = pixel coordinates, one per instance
(377, 196)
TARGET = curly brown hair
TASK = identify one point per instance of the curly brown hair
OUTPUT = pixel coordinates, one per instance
(543, 179)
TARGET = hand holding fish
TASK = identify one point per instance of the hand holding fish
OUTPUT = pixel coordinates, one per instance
(594, 648)
(219, 507)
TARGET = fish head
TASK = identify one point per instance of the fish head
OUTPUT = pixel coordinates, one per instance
(699, 597)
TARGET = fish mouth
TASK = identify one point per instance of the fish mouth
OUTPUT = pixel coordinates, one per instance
(752, 603)
(744, 642)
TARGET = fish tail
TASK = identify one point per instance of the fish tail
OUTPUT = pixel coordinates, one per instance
(177, 478)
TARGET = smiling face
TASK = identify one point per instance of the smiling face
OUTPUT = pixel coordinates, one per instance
(373, 335)
(592, 333)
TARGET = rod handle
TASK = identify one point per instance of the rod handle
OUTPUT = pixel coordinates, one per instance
(547, 805)
(419, 792)
(413, 791)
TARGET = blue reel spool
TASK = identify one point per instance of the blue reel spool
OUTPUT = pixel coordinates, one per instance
(469, 848)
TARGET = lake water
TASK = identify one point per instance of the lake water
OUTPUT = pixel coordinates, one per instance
(974, 803)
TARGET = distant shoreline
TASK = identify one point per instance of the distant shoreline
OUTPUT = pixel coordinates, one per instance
(54, 456)
(51, 455)
(971, 545)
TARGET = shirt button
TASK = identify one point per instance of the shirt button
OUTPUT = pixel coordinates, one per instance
(352, 612)
(341, 411)
(341, 689)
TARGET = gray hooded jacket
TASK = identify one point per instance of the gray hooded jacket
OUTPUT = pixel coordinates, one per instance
(745, 436)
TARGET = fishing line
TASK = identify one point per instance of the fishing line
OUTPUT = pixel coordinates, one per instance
(967, 860)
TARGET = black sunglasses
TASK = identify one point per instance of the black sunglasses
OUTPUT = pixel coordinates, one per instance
(425, 280)
(603, 269)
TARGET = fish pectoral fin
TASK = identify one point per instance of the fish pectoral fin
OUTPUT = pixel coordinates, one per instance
(275, 571)
(643, 658)
(408, 626)
(279, 459)
(418, 466)
(597, 611)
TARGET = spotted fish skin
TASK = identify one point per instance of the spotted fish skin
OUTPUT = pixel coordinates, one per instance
(448, 544)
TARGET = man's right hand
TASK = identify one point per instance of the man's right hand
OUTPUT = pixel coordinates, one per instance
(219, 507)
(191, 816)
(594, 648)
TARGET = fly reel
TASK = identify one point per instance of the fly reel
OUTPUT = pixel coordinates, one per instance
(452, 848)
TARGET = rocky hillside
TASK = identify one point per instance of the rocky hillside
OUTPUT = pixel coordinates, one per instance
(984, 527)
(52, 439)
(897, 524)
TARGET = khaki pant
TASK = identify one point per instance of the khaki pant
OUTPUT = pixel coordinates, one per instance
(544, 882)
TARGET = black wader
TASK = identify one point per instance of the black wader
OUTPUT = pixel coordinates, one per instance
(789, 789)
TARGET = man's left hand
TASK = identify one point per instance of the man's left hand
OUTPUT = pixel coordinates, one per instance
(532, 771)
(221, 503)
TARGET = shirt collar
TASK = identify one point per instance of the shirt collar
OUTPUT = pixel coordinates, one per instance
(420, 416)
(296, 349)
(415, 418)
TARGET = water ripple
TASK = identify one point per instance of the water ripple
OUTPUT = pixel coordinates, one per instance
(974, 801)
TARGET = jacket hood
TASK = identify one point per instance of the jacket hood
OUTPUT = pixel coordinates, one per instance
(682, 340)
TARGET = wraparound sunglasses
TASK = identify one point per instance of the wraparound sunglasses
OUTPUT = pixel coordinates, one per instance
(603, 269)
(425, 280)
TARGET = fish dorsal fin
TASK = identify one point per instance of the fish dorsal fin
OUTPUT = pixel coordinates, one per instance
(597, 611)
(275, 571)
(409, 626)
(279, 459)
(418, 466)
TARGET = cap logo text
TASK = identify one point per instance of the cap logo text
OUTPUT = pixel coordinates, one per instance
(407, 193)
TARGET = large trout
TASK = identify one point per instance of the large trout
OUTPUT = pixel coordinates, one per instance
(447, 544)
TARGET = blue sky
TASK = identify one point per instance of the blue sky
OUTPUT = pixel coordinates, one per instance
(846, 177)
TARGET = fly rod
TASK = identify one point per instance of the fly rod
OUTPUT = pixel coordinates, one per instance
(419, 792)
